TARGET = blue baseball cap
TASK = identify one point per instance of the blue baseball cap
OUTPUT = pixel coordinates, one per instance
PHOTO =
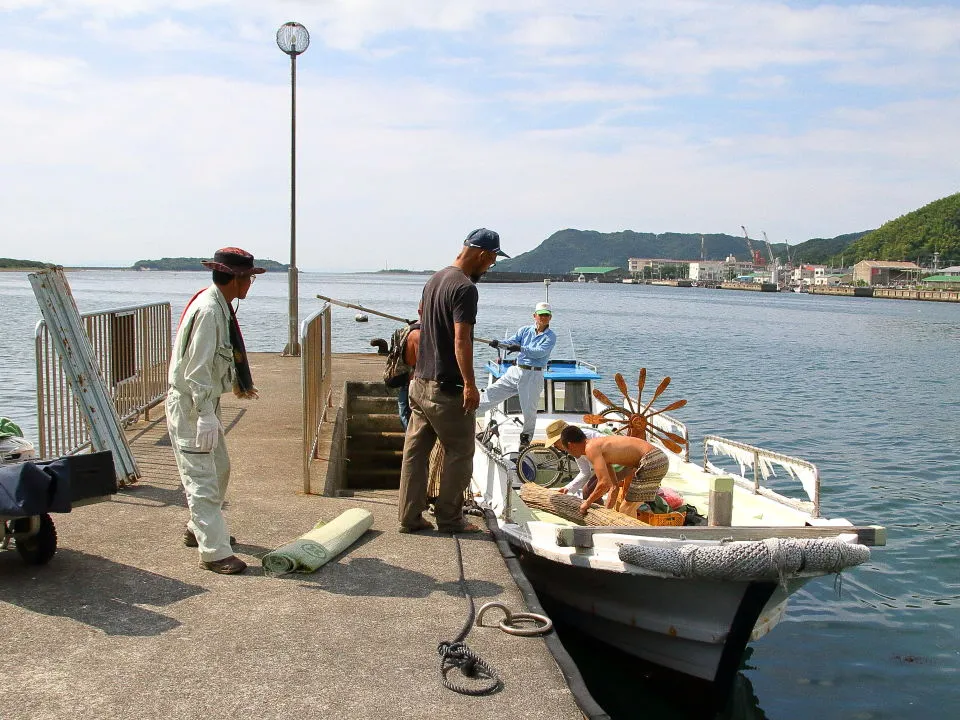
(485, 240)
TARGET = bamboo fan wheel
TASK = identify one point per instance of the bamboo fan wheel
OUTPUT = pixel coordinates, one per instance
(634, 420)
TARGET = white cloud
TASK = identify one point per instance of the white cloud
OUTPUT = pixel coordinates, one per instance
(155, 127)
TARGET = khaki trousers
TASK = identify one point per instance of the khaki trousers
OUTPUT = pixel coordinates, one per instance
(205, 477)
(436, 416)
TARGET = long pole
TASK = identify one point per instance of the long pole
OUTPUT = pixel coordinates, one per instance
(361, 308)
(293, 342)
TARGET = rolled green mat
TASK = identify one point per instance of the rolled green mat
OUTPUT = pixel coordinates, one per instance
(320, 545)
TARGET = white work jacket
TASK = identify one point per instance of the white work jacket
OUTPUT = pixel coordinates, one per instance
(201, 364)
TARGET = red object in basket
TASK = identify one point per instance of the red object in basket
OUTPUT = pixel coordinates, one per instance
(671, 496)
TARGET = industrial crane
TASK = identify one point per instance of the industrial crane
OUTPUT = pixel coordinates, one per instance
(754, 254)
(773, 260)
(769, 248)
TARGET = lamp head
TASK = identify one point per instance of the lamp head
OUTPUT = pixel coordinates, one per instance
(293, 38)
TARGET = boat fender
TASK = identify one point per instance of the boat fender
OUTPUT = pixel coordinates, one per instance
(773, 558)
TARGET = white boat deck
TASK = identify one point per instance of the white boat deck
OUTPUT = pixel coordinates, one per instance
(687, 478)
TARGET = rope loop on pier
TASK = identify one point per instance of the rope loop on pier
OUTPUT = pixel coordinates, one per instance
(509, 624)
(455, 653)
(458, 655)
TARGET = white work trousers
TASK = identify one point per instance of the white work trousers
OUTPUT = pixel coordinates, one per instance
(205, 477)
(527, 384)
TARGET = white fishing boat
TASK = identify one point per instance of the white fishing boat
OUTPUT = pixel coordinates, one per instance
(688, 598)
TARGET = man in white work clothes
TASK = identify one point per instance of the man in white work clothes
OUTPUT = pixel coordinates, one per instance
(209, 359)
(534, 343)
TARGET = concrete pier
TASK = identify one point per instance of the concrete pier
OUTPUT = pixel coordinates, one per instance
(124, 623)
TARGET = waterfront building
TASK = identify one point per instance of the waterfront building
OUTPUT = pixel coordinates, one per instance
(704, 270)
(637, 265)
(885, 272)
(598, 274)
(807, 275)
(942, 282)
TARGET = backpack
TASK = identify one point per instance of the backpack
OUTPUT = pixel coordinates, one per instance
(396, 372)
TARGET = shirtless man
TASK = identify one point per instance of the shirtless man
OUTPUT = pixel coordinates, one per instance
(649, 462)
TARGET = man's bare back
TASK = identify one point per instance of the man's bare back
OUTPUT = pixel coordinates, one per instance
(617, 449)
(606, 451)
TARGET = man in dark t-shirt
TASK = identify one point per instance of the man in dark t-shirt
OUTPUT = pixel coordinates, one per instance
(443, 392)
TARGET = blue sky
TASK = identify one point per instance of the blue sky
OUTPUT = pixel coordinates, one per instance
(135, 129)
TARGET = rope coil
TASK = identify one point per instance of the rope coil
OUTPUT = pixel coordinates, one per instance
(455, 653)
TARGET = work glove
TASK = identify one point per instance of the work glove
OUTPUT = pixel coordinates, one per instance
(208, 432)
(494, 343)
(512, 347)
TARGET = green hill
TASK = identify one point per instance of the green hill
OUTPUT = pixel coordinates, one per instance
(569, 248)
(916, 235)
(183, 263)
(25, 264)
(824, 251)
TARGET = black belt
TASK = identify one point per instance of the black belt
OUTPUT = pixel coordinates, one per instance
(528, 367)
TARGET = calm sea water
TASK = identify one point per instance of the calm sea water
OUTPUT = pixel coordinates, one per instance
(865, 388)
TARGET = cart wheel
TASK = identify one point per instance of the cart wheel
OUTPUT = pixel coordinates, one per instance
(38, 549)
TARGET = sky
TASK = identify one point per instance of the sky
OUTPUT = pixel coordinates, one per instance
(139, 129)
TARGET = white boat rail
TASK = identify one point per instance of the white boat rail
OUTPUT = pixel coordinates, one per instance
(316, 363)
(762, 462)
(131, 346)
(671, 424)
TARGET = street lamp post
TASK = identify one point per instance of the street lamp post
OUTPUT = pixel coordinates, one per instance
(293, 39)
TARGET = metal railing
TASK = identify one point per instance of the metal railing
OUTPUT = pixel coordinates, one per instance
(316, 366)
(757, 458)
(132, 348)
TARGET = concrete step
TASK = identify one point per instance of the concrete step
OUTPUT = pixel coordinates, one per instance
(361, 440)
(363, 459)
(373, 404)
(374, 422)
(373, 479)
(358, 389)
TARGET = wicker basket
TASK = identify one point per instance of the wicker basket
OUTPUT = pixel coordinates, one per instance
(671, 519)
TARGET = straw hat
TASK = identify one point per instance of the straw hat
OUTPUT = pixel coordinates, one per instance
(553, 432)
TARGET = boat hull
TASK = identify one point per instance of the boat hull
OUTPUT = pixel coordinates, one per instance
(699, 628)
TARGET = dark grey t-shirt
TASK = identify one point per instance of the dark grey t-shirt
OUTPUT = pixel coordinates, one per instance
(448, 297)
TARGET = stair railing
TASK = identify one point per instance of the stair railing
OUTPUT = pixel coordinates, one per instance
(316, 366)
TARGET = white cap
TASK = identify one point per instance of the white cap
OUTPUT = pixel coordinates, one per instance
(542, 308)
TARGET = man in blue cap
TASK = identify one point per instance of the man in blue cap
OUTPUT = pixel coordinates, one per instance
(443, 392)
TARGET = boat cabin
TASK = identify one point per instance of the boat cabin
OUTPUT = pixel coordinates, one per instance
(567, 386)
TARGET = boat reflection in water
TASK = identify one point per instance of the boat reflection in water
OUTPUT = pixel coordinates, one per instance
(627, 687)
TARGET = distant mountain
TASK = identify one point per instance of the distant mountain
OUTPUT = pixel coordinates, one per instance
(917, 235)
(183, 263)
(823, 251)
(25, 264)
(567, 249)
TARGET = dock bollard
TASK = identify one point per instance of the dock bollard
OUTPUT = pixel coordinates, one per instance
(720, 513)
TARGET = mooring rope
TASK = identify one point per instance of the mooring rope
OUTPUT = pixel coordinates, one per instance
(456, 654)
